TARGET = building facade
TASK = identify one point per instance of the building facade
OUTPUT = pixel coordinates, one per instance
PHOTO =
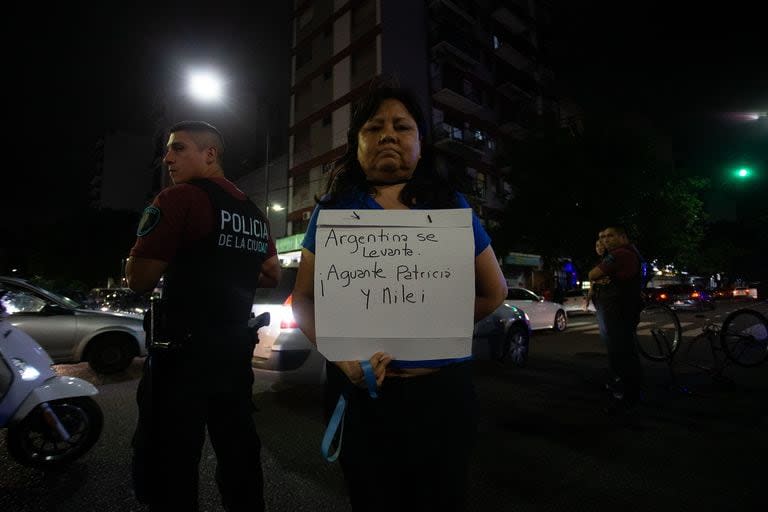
(476, 64)
(269, 192)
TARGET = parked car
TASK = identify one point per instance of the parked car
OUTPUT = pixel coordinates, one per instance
(69, 333)
(744, 292)
(284, 355)
(574, 301)
(684, 296)
(543, 314)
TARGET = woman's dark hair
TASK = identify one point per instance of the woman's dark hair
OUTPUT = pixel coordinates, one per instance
(426, 186)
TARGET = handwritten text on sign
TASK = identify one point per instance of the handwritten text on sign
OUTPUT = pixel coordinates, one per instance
(400, 281)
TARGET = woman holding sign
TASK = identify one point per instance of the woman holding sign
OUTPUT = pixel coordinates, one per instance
(408, 448)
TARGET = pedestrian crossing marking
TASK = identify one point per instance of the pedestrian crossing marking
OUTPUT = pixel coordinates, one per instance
(592, 328)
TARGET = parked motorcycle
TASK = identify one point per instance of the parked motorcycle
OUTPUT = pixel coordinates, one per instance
(51, 420)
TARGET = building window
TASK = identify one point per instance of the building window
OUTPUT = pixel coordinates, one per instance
(496, 42)
(363, 13)
(304, 56)
(303, 99)
(480, 185)
(301, 180)
(302, 147)
(306, 17)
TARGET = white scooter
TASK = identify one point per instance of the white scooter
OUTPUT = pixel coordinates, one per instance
(51, 420)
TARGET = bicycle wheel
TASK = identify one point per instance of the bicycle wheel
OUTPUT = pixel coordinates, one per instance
(658, 332)
(744, 337)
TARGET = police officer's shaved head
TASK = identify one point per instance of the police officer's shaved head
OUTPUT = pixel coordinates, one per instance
(204, 134)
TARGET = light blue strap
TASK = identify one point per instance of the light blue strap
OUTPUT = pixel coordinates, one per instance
(336, 422)
(330, 431)
(370, 378)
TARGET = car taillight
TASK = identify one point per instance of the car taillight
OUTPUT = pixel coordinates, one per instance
(695, 295)
(288, 322)
(663, 296)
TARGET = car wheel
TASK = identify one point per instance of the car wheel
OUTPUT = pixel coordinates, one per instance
(515, 348)
(561, 321)
(111, 353)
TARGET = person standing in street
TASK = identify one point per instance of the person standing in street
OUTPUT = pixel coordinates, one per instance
(212, 248)
(594, 286)
(410, 448)
(618, 302)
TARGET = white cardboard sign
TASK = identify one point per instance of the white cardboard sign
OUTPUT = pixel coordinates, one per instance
(397, 281)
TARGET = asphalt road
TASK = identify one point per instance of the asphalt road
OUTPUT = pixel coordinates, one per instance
(543, 444)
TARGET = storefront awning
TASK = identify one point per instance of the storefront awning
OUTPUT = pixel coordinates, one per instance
(522, 260)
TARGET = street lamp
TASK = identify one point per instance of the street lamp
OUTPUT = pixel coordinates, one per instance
(206, 86)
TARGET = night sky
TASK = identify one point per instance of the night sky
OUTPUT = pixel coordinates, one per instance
(76, 72)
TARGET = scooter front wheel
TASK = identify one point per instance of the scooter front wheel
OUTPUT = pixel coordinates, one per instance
(33, 442)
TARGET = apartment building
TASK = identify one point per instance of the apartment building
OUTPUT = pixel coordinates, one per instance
(476, 64)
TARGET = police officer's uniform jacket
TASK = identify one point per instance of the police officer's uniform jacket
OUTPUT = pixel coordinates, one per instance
(209, 286)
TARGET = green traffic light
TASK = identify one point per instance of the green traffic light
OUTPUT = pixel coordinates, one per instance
(743, 173)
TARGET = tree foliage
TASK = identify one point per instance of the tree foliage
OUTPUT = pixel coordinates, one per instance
(567, 187)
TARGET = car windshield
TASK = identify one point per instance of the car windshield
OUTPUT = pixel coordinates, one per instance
(30, 297)
(61, 298)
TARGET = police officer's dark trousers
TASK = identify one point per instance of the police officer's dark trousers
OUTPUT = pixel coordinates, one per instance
(180, 395)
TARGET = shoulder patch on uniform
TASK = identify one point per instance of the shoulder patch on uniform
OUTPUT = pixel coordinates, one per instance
(149, 220)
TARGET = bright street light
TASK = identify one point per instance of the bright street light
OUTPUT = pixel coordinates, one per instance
(205, 86)
(276, 207)
(742, 173)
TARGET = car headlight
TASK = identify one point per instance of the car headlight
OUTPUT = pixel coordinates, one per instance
(26, 371)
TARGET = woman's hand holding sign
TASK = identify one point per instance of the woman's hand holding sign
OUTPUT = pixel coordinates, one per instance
(354, 371)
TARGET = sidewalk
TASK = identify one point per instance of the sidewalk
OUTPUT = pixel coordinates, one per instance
(546, 445)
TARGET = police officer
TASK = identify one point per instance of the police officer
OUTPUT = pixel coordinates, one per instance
(618, 303)
(213, 249)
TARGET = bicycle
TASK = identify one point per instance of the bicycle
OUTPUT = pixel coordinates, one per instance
(743, 337)
(658, 332)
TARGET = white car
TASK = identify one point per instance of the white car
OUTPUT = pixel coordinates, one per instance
(542, 314)
(283, 355)
(574, 301)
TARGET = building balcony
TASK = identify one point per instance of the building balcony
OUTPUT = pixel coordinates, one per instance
(461, 142)
(514, 91)
(514, 57)
(452, 9)
(451, 87)
(468, 105)
(514, 129)
(515, 22)
(452, 52)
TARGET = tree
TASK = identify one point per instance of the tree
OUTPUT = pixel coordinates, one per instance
(567, 187)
